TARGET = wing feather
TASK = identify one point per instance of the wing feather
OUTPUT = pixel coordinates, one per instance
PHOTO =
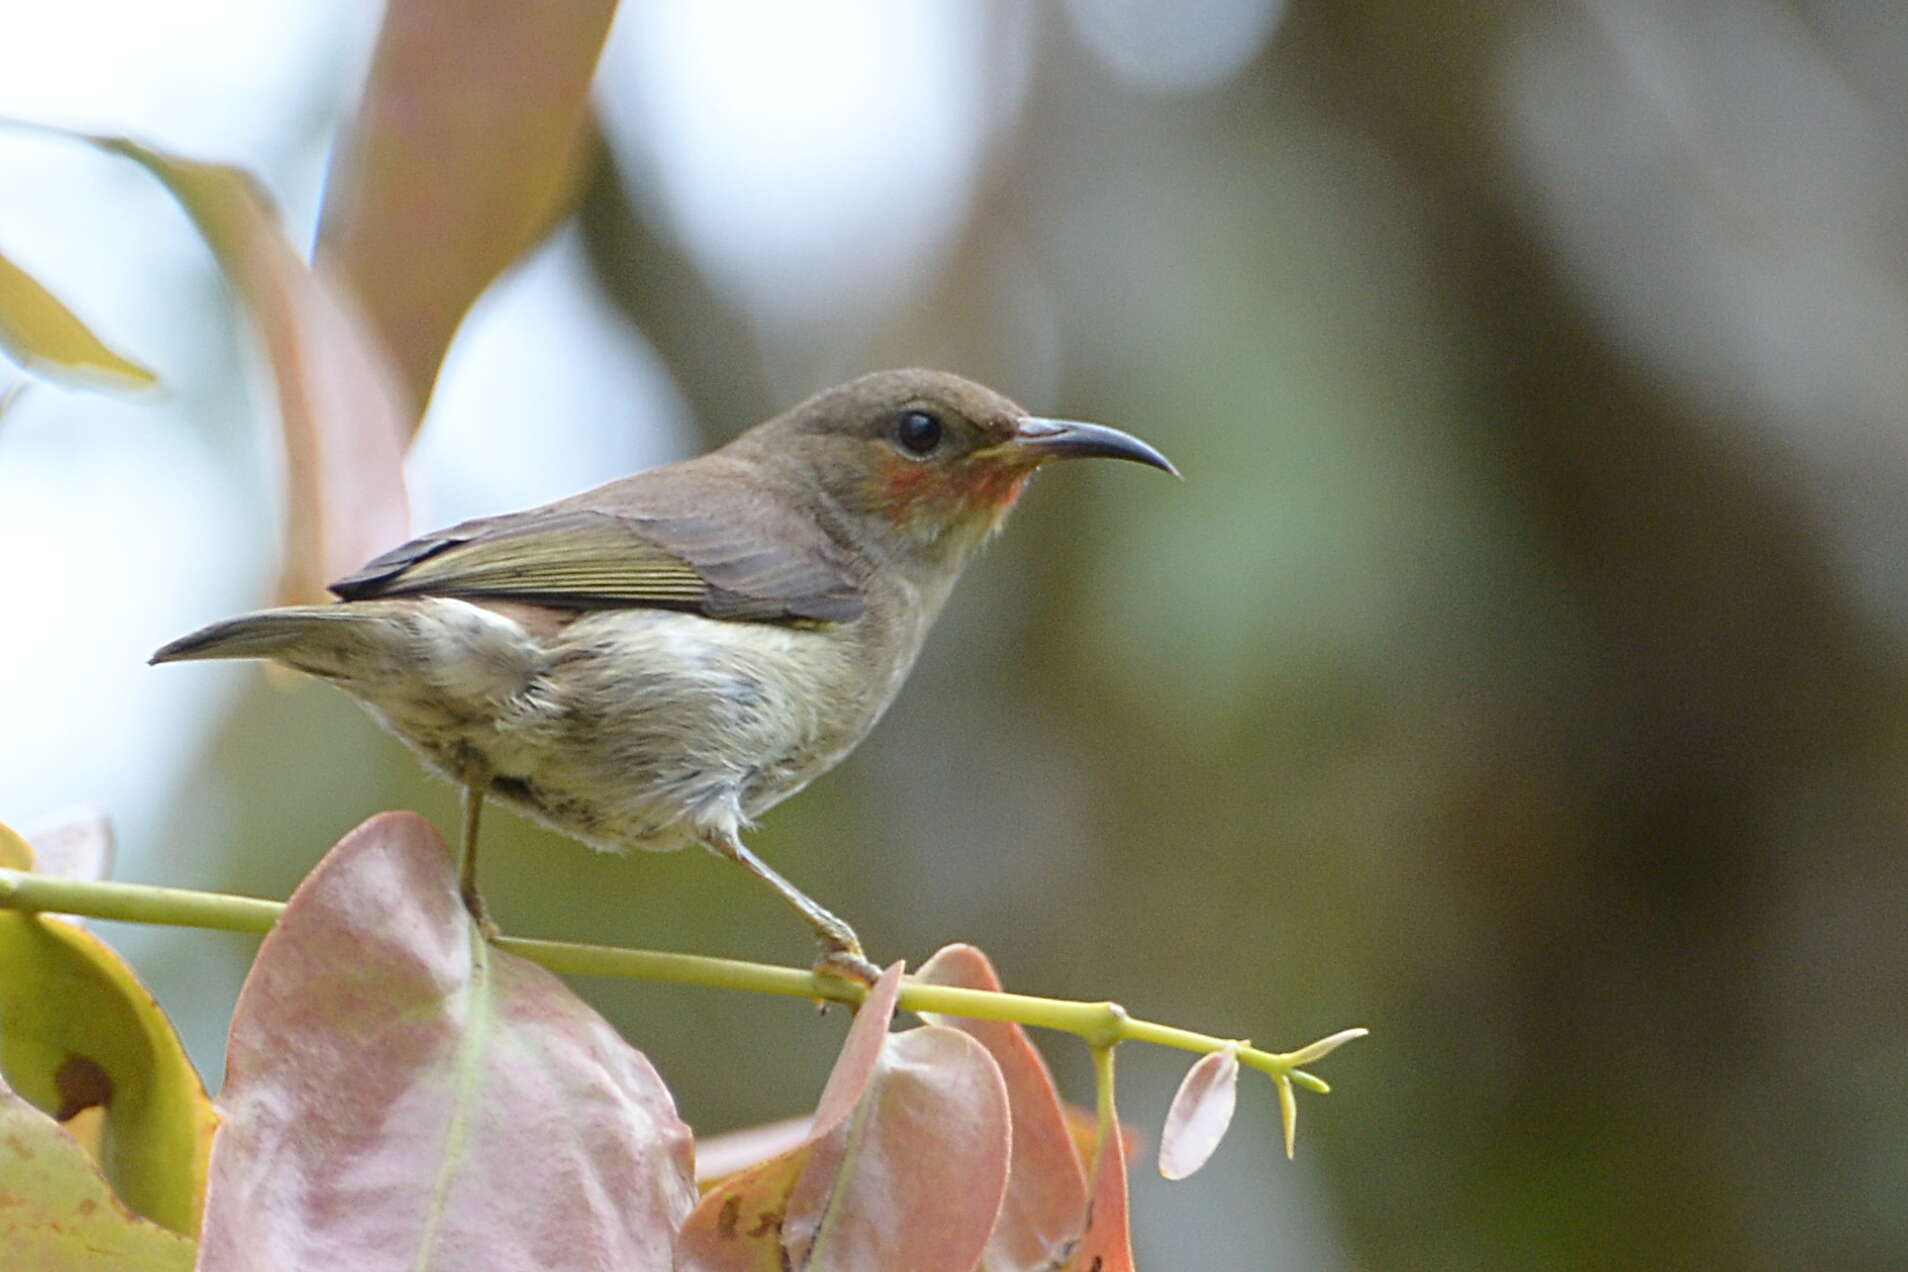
(595, 559)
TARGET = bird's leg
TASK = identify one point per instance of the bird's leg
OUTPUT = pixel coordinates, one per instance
(840, 948)
(476, 782)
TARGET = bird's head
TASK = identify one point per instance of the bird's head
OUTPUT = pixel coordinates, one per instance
(927, 462)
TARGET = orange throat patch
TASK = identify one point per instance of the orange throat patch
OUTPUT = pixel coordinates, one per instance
(980, 493)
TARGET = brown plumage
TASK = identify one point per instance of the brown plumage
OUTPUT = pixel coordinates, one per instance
(657, 661)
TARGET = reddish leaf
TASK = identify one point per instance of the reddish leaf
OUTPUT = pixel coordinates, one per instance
(905, 1166)
(1107, 1244)
(915, 1178)
(1046, 1188)
(466, 151)
(737, 1227)
(860, 1054)
(400, 1094)
(1200, 1113)
(340, 407)
(57, 1213)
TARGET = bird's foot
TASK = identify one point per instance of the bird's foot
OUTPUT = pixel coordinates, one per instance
(841, 955)
(846, 963)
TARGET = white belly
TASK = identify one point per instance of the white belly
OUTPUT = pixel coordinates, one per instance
(630, 728)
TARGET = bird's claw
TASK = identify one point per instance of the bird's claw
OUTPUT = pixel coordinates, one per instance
(848, 964)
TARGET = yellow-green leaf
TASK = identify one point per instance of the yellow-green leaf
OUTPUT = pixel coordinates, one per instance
(14, 853)
(78, 1030)
(60, 1215)
(46, 337)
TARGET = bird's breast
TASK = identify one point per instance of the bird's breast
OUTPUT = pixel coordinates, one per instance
(643, 727)
(684, 721)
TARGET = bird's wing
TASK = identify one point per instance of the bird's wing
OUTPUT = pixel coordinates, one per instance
(589, 559)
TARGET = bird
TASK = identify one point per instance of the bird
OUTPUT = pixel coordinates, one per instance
(655, 662)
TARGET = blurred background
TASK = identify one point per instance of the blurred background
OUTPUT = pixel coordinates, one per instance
(1519, 670)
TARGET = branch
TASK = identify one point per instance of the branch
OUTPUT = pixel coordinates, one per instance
(1101, 1024)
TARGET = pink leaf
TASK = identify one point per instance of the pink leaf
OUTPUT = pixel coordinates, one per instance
(400, 1094)
(74, 843)
(465, 151)
(1200, 1113)
(905, 1166)
(860, 1054)
(737, 1227)
(1046, 1186)
(915, 1178)
(340, 408)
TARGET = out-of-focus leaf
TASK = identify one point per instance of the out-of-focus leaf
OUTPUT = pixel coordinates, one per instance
(737, 1227)
(1083, 1128)
(400, 1094)
(78, 1031)
(340, 405)
(73, 844)
(1107, 1243)
(1046, 1188)
(43, 335)
(1200, 1113)
(914, 1179)
(57, 1212)
(731, 1152)
(466, 150)
(14, 853)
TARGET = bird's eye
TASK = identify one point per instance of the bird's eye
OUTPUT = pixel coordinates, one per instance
(918, 432)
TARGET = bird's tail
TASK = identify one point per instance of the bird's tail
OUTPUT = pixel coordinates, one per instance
(310, 637)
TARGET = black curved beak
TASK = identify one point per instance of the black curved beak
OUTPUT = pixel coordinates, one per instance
(1045, 439)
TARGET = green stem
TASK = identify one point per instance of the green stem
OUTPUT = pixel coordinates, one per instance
(1102, 1024)
(1108, 1121)
(1103, 1102)
(136, 903)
